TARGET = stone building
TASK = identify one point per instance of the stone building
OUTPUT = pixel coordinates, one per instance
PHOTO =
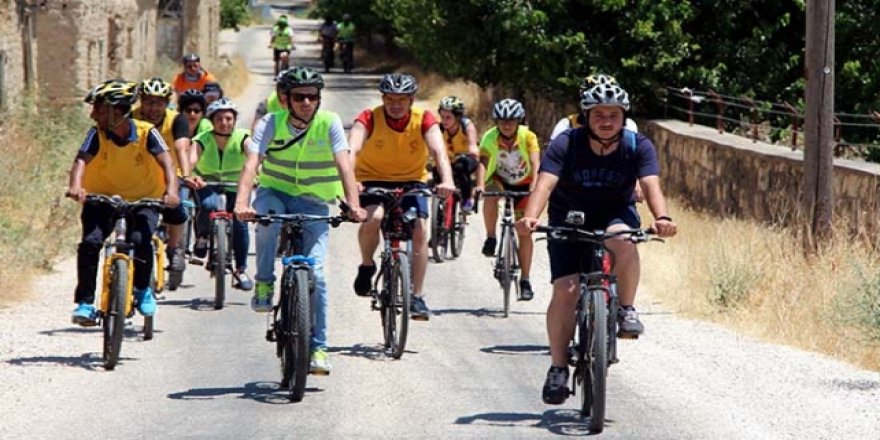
(12, 68)
(189, 26)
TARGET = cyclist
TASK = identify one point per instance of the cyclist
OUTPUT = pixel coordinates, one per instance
(192, 77)
(306, 163)
(509, 158)
(192, 104)
(219, 155)
(281, 42)
(125, 157)
(212, 91)
(275, 102)
(345, 34)
(155, 95)
(593, 169)
(391, 143)
(327, 35)
(460, 135)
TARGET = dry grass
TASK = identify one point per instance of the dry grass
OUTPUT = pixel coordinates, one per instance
(433, 87)
(36, 223)
(233, 75)
(756, 279)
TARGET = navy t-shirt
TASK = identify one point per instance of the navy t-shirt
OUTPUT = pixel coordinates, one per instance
(592, 183)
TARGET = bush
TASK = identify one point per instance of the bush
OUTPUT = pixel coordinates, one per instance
(732, 281)
(233, 13)
(858, 304)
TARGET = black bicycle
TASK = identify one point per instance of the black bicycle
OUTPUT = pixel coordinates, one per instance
(346, 49)
(291, 326)
(448, 224)
(328, 53)
(506, 267)
(117, 286)
(392, 288)
(594, 343)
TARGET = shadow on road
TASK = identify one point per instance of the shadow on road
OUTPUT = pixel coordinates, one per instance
(371, 352)
(89, 361)
(566, 422)
(529, 350)
(197, 304)
(131, 333)
(472, 312)
(263, 392)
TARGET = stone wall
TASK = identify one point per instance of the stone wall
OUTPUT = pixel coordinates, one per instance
(190, 26)
(733, 176)
(12, 73)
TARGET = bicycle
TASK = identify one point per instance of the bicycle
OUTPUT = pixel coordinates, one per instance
(327, 53)
(157, 279)
(117, 287)
(448, 224)
(506, 266)
(219, 243)
(392, 288)
(175, 277)
(290, 328)
(594, 342)
(346, 49)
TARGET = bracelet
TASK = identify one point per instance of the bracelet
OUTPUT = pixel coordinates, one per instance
(664, 217)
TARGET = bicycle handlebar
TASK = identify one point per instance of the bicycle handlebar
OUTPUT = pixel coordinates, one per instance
(265, 219)
(570, 233)
(223, 184)
(118, 202)
(391, 194)
(505, 193)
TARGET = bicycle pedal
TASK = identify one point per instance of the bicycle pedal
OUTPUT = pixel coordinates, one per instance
(270, 335)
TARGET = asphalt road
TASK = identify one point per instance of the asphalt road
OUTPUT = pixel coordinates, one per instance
(467, 373)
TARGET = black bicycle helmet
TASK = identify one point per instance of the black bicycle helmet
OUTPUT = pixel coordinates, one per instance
(299, 77)
(116, 92)
(398, 83)
(192, 96)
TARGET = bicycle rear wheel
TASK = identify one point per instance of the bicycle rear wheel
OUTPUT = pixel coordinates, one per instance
(296, 332)
(456, 234)
(438, 233)
(397, 305)
(593, 392)
(114, 317)
(221, 247)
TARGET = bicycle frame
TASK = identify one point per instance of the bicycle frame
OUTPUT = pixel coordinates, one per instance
(506, 266)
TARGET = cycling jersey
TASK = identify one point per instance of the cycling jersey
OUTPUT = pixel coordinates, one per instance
(216, 165)
(282, 38)
(345, 32)
(125, 167)
(511, 165)
(458, 143)
(174, 126)
(390, 155)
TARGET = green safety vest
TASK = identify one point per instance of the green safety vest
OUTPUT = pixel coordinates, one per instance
(345, 32)
(228, 168)
(306, 167)
(204, 126)
(489, 144)
(273, 104)
(282, 40)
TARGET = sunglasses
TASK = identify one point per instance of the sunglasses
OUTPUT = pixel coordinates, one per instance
(190, 66)
(300, 97)
(192, 110)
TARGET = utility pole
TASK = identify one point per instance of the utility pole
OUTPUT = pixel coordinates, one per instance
(819, 124)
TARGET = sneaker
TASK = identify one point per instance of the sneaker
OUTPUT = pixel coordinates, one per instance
(628, 324)
(556, 386)
(85, 315)
(177, 260)
(262, 299)
(489, 246)
(467, 206)
(418, 310)
(525, 290)
(364, 280)
(241, 280)
(320, 363)
(200, 250)
(145, 301)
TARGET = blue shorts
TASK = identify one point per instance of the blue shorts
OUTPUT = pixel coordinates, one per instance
(567, 257)
(418, 202)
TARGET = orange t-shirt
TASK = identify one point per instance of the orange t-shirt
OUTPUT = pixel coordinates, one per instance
(181, 85)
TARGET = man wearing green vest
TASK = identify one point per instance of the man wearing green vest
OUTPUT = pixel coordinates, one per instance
(219, 156)
(509, 157)
(306, 164)
(281, 43)
(345, 35)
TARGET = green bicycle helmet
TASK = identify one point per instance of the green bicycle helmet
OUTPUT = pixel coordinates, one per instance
(300, 77)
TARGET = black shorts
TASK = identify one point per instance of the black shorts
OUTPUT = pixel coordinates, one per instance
(418, 202)
(174, 216)
(276, 54)
(567, 258)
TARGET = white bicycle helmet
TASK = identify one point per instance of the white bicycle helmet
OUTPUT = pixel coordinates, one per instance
(156, 87)
(596, 79)
(221, 104)
(604, 94)
(508, 109)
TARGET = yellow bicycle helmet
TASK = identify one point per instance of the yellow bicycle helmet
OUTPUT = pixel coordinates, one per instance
(155, 87)
(116, 92)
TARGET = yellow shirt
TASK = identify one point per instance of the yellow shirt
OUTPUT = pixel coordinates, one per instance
(392, 156)
(457, 143)
(130, 171)
(511, 167)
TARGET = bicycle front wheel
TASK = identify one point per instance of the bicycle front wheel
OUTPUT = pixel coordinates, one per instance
(397, 306)
(507, 255)
(593, 392)
(114, 316)
(296, 332)
(221, 248)
(456, 235)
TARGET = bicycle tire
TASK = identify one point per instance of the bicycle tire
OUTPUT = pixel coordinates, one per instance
(399, 294)
(298, 334)
(175, 279)
(438, 248)
(593, 393)
(456, 237)
(221, 247)
(157, 280)
(114, 318)
(148, 327)
(506, 268)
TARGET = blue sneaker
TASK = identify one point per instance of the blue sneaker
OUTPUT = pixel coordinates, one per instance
(145, 301)
(85, 315)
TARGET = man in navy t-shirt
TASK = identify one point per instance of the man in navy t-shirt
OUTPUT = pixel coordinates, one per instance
(593, 169)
